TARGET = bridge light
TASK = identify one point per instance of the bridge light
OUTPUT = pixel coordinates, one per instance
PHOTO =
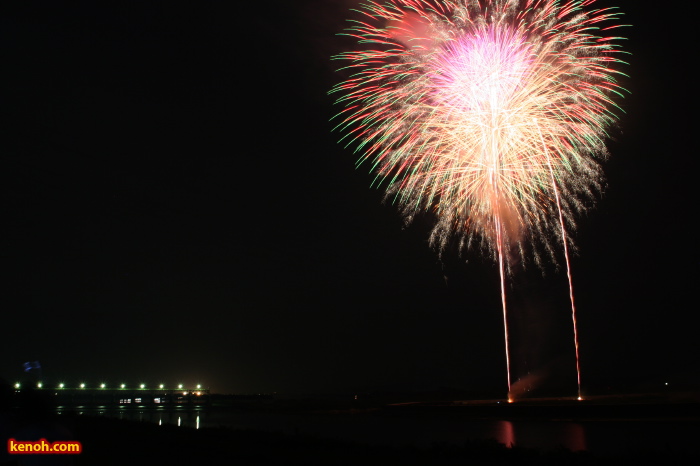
(82, 385)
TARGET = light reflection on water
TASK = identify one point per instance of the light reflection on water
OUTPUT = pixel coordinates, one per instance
(576, 436)
(542, 435)
(505, 434)
(595, 436)
(181, 417)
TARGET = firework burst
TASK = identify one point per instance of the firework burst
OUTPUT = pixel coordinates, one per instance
(491, 114)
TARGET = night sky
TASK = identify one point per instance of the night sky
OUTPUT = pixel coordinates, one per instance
(175, 209)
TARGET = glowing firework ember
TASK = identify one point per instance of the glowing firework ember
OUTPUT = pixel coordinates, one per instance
(491, 114)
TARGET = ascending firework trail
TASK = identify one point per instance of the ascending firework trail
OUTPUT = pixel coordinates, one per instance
(491, 114)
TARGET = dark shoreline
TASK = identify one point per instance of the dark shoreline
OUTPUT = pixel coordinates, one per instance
(573, 411)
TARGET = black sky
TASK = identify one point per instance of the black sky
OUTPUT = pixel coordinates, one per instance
(175, 208)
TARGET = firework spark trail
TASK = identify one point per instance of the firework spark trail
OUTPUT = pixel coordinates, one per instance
(568, 271)
(501, 273)
(491, 114)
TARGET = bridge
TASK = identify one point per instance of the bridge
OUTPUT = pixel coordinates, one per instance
(122, 395)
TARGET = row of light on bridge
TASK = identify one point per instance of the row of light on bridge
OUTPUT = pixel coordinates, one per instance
(82, 385)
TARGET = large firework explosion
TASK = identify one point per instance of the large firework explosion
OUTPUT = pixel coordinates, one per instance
(491, 114)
